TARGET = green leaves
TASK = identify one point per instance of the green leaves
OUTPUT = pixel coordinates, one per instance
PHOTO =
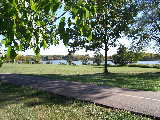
(11, 52)
(26, 24)
(124, 56)
(33, 5)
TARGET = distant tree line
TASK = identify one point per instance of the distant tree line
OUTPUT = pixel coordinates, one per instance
(123, 57)
(150, 56)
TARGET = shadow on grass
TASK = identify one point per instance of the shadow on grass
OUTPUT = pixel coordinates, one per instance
(17, 101)
(141, 81)
(13, 94)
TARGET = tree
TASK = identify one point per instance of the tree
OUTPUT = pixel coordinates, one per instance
(101, 30)
(70, 57)
(19, 58)
(27, 24)
(98, 58)
(145, 30)
(112, 19)
(30, 24)
(124, 56)
(37, 59)
(85, 59)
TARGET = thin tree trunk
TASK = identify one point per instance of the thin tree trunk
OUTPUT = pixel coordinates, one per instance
(106, 65)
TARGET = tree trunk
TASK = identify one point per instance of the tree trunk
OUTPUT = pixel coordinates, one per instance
(106, 65)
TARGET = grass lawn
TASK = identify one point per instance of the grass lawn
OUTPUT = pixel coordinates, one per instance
(22, 103)
(125, 77)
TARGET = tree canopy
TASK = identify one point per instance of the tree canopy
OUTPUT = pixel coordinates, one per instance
(101, 27)
(124, 56)
(27, 24)
(146, 28)
(92, 24)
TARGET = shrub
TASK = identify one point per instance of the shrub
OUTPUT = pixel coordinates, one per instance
(98, 58)
(70, 58)
(1, 62)
(85, 59)
(124, 56)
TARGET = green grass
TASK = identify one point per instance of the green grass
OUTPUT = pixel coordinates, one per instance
(124, 77)
(22, 103)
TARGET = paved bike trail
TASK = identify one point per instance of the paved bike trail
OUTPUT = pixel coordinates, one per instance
(138, 101)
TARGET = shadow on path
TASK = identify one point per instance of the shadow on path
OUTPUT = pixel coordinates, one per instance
(145, 102)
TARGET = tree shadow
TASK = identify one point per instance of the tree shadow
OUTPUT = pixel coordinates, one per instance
(13, 94)
(140, 81)
(53, 87)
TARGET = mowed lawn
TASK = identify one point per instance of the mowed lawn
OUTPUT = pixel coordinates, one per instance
(125, 77)
(22, 103)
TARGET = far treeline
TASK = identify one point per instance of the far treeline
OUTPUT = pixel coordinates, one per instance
(36, 59)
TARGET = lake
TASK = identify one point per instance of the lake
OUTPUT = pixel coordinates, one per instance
(91, 62)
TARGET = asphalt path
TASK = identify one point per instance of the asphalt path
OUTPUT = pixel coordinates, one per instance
(137, 101)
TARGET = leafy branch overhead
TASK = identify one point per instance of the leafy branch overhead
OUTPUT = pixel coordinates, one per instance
(100, 23)
(145, 30)
(92, 24)
(27, 24)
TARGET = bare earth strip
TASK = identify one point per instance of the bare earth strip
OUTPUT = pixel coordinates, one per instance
(144, 102)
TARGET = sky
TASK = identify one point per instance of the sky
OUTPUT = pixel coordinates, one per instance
(62, 50)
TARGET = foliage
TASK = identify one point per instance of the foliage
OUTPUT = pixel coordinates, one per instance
(85, 59)
(150, 56)
(124, 57)
(106, 22)
(27, 24)
(98, 58)
(146, 28)
(24, 59)
(20, 58)
(1, 62)
(70, 58)
(37, 59)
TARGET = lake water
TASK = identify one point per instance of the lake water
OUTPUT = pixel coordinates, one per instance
(91, 62)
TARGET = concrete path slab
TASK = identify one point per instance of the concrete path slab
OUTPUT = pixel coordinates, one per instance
(144, 102)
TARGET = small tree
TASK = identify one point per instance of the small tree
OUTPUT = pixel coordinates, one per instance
(19, 58)
(85, 59)
(37, 59)
(1, 62)
(70, 57)
(98, 58)
(124, 56)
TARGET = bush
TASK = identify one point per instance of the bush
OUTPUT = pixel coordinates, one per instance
(85, 59)
(124, 56)
(70, 58)
(48, 62)
(1, 62)
(98, 58)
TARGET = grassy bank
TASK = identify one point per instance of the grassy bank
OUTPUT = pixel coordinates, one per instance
(125, 77)
(21, 103)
